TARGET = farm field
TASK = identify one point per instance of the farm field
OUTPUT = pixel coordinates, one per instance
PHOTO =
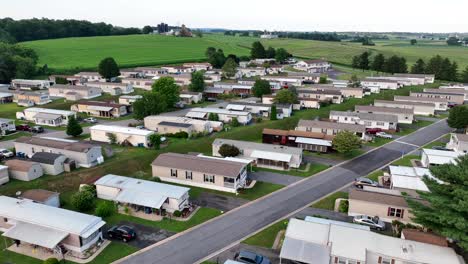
(73, 54)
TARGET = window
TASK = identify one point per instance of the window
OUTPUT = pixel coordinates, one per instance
(395, 212)
(173, 173)
(367, 123)
(380, 123)
(386, 261)
(209, 178)
(188, 175)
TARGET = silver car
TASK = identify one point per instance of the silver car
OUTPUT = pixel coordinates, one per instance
(372, 222)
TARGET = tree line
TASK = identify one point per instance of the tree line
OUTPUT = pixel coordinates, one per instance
(322, 36)
(18, 62)
(442, 68)
(34, 29)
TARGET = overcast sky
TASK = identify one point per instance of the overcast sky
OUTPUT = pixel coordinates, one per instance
(300, 15)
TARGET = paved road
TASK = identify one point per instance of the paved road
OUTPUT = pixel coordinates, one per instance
(220, 202)
(275, 178)
(213, 236)
(321, 160)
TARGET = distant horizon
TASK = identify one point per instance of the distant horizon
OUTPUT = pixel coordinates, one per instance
(364, 16)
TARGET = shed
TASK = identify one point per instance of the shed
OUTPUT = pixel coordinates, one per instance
(51, 163)
(4, 178)
(24, 170)
(42, 196)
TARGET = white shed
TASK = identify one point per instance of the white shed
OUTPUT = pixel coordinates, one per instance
(4, 178)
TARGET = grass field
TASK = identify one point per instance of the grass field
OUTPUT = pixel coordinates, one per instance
(139, 50)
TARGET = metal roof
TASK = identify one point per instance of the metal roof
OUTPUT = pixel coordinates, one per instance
(123, 130)
(259, 154)
(45, 157)
(258, 146)
(36, 235)
(314, 141)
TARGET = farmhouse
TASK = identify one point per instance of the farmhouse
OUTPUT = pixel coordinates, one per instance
(112, 88)
(440, 104)
(44, 116)
(145, 84)
(404, 115)
(333, 96)
(30, 98)
(42, 196)
(310, 141)
(6, 98)
(224, 115)
(83, 154)
(90, 77)
(4, 177)
(313, 66)
(322, 241)
(24, 170)
(148, 196)
(21, 84)
(173, 124)
(263, 155)
(191, 97)
(7, 126)
(432, 157)
(380, 84)
(448, 91)
(451, 97)
(383, 121)
(458, 142)
(100, 109)
(259, 109)
(74, 92)
(123, 135)
(49, 227)
(218, 174)
(51, 163)
(331, 128)
(425, 109)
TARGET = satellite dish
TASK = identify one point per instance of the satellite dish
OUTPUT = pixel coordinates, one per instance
(18, 193)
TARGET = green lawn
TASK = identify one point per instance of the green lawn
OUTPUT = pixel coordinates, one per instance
(313, 169)
(9, 110)
(406, 129)
(113, 252)
(266, 237)
(15, 135)
(406, 160)
(375, 175)
(377, 142)
(439, 142)
(260, 189)
(144, 50)
(328, 203)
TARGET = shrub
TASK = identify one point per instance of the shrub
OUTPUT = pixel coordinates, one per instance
(344, 206)
(83, 201)
(177, 213)
(181, 134)
(51, 261)
(227, 150)
(235, 122)
(259, 120)
(89, 188)
(105, 209)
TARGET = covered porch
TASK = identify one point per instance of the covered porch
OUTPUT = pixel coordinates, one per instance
(271, 160)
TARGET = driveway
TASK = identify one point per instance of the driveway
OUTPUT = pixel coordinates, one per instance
(145, 235)
(272, 255)
(238, 224)
(275, 178)
(220, 202)
(332, 215)
(321, 160)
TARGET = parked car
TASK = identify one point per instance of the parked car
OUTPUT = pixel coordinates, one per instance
(361, 182)
(372, 222)
(6, 153)
(251, 257)
(125, 233)
(23, 128)
(383, 135)
(37, 129)
(91, 120)
(441, 148)
(140, 127)
(373, 131)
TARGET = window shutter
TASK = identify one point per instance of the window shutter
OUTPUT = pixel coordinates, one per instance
(380, 260)
(402, 212)
(388, 211)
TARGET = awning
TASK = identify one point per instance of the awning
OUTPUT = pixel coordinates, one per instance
(196, 114)
(314, 141)
(152, 200)
(305, 252)
(100, 108)
(37, 235)
(47, 116)
(185, 96)
(236, 107)
(259, 154)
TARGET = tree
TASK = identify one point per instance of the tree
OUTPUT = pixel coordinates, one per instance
(150, 104)
(285, 96)
(443, 208)
(323, 80)
(213, 117)
(396, 64)
(378, 63)
(74, 128)
(235, 122)
(105, 209)
(155, 140)
(419, 67)
(215, 57)
(197, 83)
(458, 117)
(227, 150)
(354, 81)
(167, 87)
(281, 55)
(464, 75)
(60, 80)
(83, 201)
(364, 60)
(108, 68)
(355, 62)
(147, 30)
(230, 68)
(345, 142)
(413, 42)
(25, 67)
(261, 87)
(273, 113)
(257, 51)
(454, 41)
(270, 53)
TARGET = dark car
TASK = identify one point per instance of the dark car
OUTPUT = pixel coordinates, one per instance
(361, 182)
(373, 131)
(37, 129)
(23, 128)
(441, 148)
(251, 257)
(125, 233)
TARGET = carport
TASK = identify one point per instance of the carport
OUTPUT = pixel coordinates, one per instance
(271, 159)
(36, 235)
(304, 252)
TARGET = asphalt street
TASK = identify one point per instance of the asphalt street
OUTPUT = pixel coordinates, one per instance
(213, 236)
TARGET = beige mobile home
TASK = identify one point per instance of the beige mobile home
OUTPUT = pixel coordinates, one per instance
(74, 92)
(383, 121)
(404, 115)
(46, 117)
(224, 115)
(451, 97)
(21, 84)
(440, 104)
(145, 84)
(30, 98)
(24, 170)
(331, 128)
(425, 109)
(112, 88)
(458, 142)
(100, 109)
(448, 91)
(173, 124)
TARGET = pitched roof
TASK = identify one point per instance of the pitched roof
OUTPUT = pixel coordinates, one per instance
(258, 146)
(99, 103)
(461, 137)
(420, 99)
(381, 109)
(403, 103)
(377, 197)
(296, 133)
(199, 164)
(56, 143)
(38, 195)
(71, 87)
(424, 237)
(45, 157)
(19, 165)
(331, 125)
(367, 116)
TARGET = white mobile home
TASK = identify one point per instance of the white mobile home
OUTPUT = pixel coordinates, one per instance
(123, 135)
(382, 121)
(404, 115)
(224, 115)
(425, 109)
(21, 84)
(4, 176)
(440, 104)
(46, 117)
(112, 88)
(432, 157)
